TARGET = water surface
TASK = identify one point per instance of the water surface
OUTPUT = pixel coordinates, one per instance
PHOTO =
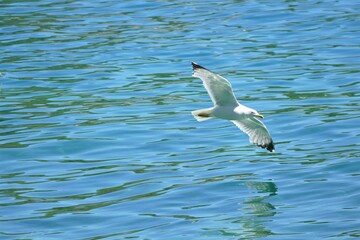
(97, 139)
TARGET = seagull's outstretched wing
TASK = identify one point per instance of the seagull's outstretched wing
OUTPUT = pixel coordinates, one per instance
(218, 88)
(257, 131)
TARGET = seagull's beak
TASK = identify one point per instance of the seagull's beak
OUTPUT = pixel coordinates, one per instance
(259, 115)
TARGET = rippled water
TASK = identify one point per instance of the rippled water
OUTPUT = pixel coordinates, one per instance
(97, 139)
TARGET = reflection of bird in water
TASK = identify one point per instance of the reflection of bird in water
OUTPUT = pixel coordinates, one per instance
(256, 208)
(227, 107)
(257, 204)
(263, 187)
(250, 221)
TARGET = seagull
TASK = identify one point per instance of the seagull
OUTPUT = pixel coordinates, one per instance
(227, 107)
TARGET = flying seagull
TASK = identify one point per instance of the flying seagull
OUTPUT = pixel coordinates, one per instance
(227, 107)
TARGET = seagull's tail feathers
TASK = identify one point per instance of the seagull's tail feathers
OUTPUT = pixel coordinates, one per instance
(203, 114)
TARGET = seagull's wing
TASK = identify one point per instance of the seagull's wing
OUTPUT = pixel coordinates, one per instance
(257, 131)
(218, 88)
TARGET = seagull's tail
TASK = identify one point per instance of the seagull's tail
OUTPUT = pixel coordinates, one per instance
(203, 114)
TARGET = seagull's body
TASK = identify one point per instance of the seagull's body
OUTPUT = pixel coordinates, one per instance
(227, 107)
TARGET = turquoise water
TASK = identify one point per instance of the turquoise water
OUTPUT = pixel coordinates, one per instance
(97, 139)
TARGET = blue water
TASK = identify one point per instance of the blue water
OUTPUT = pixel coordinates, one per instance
(97, 139)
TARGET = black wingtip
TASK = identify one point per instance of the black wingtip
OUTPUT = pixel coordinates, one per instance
(271, 147)
(196, 66)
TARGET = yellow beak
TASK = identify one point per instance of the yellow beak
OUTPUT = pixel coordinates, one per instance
(259, 115)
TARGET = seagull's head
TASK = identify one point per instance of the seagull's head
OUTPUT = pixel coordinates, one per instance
(255, 113)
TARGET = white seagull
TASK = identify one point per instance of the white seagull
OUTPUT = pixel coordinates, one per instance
(227, 107)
